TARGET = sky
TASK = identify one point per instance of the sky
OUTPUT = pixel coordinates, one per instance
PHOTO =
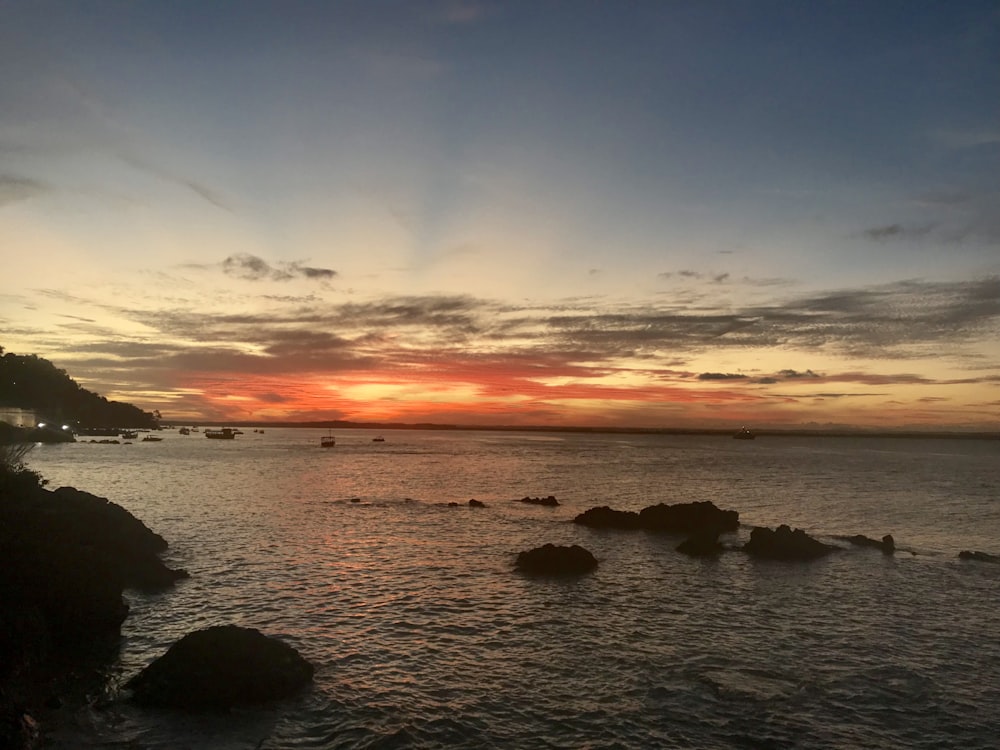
(681, 213)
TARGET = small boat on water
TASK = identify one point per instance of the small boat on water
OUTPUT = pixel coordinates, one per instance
(129, 434)
(184, 431)
(378, 439)
(327, 441)
(151, 439)
(744, 433)
(226, 433)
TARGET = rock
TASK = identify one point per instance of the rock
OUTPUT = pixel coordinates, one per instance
(130, 546)
(473, 503)
(784, 544)
(887, 545)
(551, 559)
(604, 517)
(219, 668)
(689, 518)
(705, 544)
(978, 556)
(549, 501)
(69, 554)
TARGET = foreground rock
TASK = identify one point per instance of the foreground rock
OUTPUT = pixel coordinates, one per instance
(978, 556)
(219, 668)
(65, 558)
(67, 555)
(552, 559)
(784, 544)
(681, 518)
(886, 546)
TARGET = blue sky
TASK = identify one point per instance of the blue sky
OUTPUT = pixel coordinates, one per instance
(620, 187)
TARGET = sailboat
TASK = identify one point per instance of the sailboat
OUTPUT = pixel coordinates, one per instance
(327, 441)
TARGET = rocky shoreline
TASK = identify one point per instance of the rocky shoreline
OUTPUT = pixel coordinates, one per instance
(66, 558)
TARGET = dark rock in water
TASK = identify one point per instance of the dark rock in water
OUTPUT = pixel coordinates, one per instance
(604, 517)
(978, 556)
(887, 545)
(133, 547)
(689, 518)
(67, 555)
(473, 503)
(65, 558)
(784, 544)
(221, 667)
(551, 559)
(549, 501)
(705, 544)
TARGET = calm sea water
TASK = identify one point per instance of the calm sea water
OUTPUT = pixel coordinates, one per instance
(424, 636)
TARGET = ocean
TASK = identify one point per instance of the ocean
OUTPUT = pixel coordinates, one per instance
(424, 636)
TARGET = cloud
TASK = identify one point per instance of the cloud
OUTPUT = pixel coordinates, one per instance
(721, 376)
(896, 232)
(271, 398)
(198, 188)
(829, 395)
(793, 374)
(251, 268)
(15, 188)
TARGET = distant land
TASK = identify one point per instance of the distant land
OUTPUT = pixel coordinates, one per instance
(849, 432)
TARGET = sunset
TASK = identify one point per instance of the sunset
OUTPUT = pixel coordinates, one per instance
(499, 375)
(677, 214)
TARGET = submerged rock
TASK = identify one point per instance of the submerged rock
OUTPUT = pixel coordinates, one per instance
(978, 556)
(549, 501)
(887, 545)
(473, 503)
(784, 544)
(552, 559)
(704, 544)
(221, 667)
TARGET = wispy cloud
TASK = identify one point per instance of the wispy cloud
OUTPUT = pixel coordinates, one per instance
(195, 186)
(16, 188)
(897, 232)
(721, 376)
(252, 268)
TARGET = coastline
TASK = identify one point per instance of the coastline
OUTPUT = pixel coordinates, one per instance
(838, 432)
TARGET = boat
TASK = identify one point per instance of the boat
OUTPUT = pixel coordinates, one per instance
(184, 431)
(744, 433)
(378, 439)
(225, 433)
(129, 434)
(151, 439)
(327, 441)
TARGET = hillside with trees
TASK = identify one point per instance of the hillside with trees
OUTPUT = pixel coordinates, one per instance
(31, 382)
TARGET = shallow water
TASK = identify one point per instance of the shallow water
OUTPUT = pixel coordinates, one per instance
(423, 636)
